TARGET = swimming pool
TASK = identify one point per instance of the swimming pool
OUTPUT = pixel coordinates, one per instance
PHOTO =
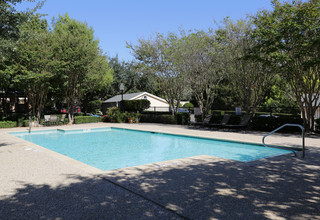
(114, 148)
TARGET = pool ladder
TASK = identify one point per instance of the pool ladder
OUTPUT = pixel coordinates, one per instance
(285, 125)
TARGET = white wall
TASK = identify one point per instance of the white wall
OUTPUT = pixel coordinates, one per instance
(155, 104)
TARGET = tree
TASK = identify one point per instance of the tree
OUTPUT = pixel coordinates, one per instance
(249, 78)
(200, 58)
(132, 75)
(97, 80)
(288, 40)
(124, 72)
(33, 65)
(76, 49)
(158, 57)
(10, 20)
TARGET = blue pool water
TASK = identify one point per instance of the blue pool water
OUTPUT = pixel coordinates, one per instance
(113, 148)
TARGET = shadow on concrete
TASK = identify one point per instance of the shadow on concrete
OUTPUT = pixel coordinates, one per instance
(281, 187)
(86, 198)
(4, 144)
(286, 187)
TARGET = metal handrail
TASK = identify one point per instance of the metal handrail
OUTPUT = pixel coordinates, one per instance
(285, 125)
(30, 123)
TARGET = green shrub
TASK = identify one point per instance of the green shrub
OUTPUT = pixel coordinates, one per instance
(135, 105)
(7, 124)
(182, 118)
(153, 118)
(115, 116)
(134, 116)
(271, 123)
(94, 106)
(86, 119)
(188, 105)
(23, 123)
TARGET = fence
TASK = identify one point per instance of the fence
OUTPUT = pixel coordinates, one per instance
(266, 111)
(168, 109)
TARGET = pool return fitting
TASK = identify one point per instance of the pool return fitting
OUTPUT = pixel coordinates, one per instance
(293, 150)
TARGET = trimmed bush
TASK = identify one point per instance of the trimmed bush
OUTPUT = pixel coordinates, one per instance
(7, 124)
(182, 118)
(135, 105)
(86, 119)
(271, 123)
(164, 119)
(188, 105)
(179, 118)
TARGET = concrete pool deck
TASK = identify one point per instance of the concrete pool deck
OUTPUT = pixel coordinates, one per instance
(39, 183)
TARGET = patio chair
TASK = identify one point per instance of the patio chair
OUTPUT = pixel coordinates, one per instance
(223, 122)
(53, 119)
(46, 120)
(243, 123)
(205, 121)
(192, 119)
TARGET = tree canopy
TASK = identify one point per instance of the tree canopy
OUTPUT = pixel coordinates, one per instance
(288, 40)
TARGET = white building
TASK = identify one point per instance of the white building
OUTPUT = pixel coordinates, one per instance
(156, 103)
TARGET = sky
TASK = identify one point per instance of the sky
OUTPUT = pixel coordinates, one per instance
(116, 22)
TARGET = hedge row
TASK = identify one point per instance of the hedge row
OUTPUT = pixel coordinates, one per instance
(7, 124)
(11, 124)
(259, 123)
(179, 118)
(271, 123)
(135, 105)
(86, 119)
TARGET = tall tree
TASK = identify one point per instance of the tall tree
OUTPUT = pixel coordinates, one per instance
(201, 59)
(288, 39)
(250, 78)
(10, 20)
(124, 72)
(33, 65)
(158, 57)
(132, 75)
(76, 49)
(97, 80)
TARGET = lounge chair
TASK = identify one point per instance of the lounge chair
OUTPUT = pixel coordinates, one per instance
(53, 119)
(46, 120)
(223, 122)
(205, 121)
(243, 123)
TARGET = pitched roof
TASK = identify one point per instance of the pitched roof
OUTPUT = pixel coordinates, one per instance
(132, 96)
(118, 98)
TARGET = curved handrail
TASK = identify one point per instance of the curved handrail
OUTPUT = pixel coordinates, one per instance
(30, 123)
(282, 126)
